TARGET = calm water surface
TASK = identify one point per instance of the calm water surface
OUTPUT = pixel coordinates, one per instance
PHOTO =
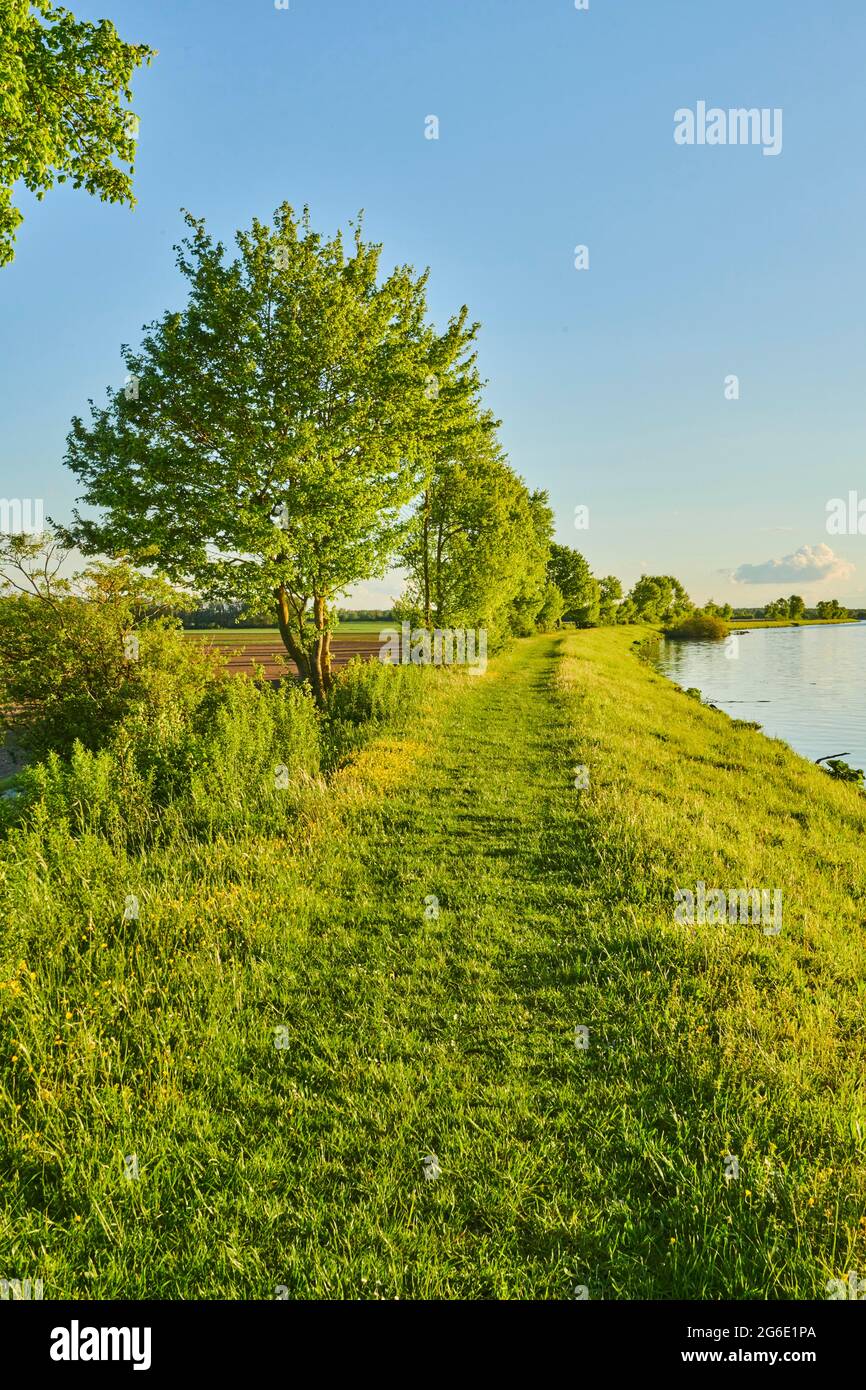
(803, 684)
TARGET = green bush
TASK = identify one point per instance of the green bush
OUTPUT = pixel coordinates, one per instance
(699, 627)
(77, 655)
(365, 696)
(252, 745)
(231, 762)
(844, 772)
(374, 692)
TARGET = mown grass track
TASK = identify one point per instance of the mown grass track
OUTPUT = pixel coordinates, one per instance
(408, 1033)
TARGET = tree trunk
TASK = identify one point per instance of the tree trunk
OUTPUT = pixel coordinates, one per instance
(426, 543)
(327, 677)
(440, 541)
(306, 662)
(321, 650)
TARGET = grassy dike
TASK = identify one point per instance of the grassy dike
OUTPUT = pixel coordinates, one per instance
(286, 1032)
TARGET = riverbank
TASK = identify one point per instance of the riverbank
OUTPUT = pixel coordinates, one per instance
(735, 623)
(298, 1022)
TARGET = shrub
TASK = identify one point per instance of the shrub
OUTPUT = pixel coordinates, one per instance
(170, 769)
(77, 655)
(698, 627)
(365, 696)
(375, 692)
(844, 772)
(244, 734)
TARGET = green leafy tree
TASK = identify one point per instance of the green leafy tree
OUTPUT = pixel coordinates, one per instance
(446, 541)
(552, 609)
(831, 608)
(63, 82)
(534, 529)
(777, 610)
(271, 433)
(571, 574)
(711, 609)
(658, 598)
(796, 607)
(610, 597)
(475, 551)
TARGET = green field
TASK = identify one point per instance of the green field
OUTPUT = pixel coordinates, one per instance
(299, 1019)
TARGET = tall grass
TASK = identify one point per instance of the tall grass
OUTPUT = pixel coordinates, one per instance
(311, 999)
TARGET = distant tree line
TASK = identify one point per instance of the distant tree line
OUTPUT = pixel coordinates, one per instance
(659, 599)
(234, 615)
(793, 609)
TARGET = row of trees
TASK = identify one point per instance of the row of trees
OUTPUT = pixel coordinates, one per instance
(794, 608)
(660, 599)
(297, 428)
(591, 602)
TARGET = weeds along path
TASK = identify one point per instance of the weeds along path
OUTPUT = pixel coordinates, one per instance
(298, 1026)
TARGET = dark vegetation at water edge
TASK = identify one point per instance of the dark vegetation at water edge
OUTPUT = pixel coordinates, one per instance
(698, 627)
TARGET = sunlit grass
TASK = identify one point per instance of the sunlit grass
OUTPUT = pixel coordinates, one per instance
(413, 1027)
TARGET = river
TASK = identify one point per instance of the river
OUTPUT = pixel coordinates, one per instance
(802, 684)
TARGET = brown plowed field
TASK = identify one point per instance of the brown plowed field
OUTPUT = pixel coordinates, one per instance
(245, 651)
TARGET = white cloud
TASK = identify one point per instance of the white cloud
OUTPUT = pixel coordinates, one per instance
(811, 564)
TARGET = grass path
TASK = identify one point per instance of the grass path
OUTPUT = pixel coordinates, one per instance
(300, 1024)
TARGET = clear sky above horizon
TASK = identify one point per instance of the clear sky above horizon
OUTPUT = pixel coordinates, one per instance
(556, 129)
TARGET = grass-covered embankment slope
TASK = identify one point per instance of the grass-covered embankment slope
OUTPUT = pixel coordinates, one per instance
(405, 1034)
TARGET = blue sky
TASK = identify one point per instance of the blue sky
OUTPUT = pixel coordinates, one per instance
(556, 129)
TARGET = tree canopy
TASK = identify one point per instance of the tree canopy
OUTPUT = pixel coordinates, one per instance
(63, 84)
(831, 608)
(476, 548)
(272, 432)
(655, 598)
(570, 572)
